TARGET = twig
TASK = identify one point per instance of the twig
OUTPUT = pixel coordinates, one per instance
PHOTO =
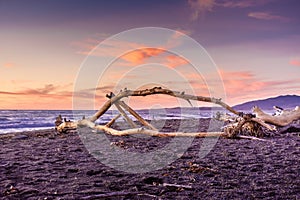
(250, 138)
(176, 185)
(148, 195)
(112, 121)
(106, 195)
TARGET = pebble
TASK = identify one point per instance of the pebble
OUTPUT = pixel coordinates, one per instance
(20, 137)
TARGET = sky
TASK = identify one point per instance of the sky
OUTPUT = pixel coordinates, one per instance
(253, 45)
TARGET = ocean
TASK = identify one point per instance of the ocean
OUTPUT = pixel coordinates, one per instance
(27, 120)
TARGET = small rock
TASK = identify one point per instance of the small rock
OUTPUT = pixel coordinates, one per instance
(93, 172)
(27, 191)
(71, 170)
(153, 180)
(11, 190)
(20, 137)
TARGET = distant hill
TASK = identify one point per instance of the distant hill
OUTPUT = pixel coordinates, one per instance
(287, 101)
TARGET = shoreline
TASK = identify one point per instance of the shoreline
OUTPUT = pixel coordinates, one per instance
(27, 130)
(44, 164)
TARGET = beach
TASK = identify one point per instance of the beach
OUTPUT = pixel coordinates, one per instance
(46, 165)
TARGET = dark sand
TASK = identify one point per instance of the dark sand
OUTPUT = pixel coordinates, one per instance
(45, 165)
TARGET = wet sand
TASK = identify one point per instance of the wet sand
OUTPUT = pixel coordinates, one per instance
(47, 165)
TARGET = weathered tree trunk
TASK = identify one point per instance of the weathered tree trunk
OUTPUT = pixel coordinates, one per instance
(284, 119)
(239, 124)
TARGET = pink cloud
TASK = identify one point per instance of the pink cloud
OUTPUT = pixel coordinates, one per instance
(138, 56)
(173, 61)
(295, 62)
(9, 65)
(267, 16)
(244, 85)
(114, 48)
(200, 7)
(236, 74)
(52, 96)
(49, 97)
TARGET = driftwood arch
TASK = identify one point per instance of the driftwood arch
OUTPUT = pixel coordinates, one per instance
(236, 126)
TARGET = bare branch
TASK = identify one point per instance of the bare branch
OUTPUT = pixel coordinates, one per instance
(157, 90)
(112, 121)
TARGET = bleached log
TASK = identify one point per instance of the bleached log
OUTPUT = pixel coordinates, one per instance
(157, 90)
(228, 118)
(136, 115)
(262, 123)
(65, 126)
(177, 186)
(122, 112)
(285, 118)
(290, 128)
(144, 131)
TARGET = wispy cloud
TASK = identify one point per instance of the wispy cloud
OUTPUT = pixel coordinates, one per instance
(267, 16)
(242, 3)
(176, 39)
(295, 62)
(237, 4)
(115, 48)
(53, 96)
(49, 96)
(47, 89)
(244, 85)
(200, 7)
(112, 47)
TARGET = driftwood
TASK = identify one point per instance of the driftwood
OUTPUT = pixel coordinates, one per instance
(110, 195)
(177, 186)
(136, 115)
(127, 118)
(111, 131)
(254, 124)
(113, 120)
(153, 91)
(283, 119)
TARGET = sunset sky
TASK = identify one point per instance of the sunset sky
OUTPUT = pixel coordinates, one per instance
(255, 45)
